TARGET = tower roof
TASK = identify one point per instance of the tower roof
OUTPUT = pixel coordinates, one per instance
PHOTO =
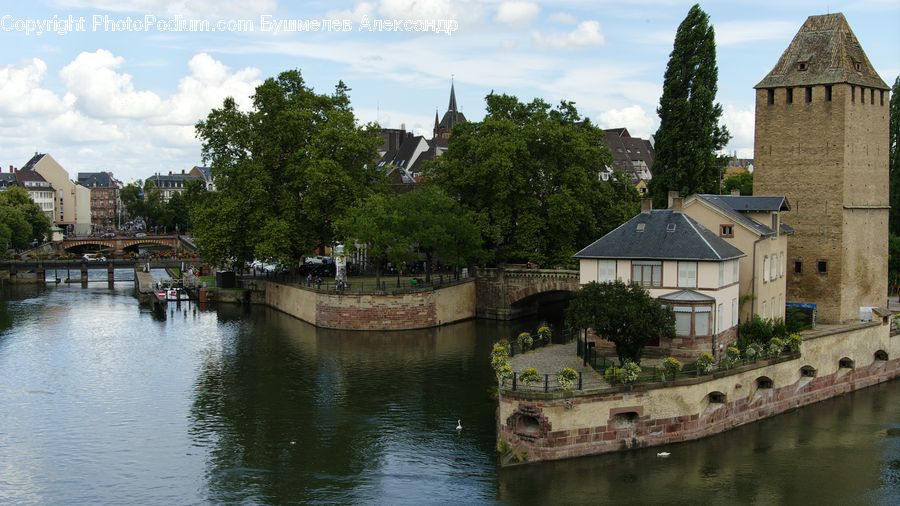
(824, 51)
(452, 106)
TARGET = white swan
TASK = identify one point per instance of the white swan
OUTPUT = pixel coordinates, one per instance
(663, 454)
(458, 425)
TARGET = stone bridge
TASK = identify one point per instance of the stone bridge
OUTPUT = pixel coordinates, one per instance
(506, 293)
(120, 244)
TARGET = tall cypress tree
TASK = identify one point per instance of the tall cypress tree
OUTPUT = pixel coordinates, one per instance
(894, 150)
(689, 131)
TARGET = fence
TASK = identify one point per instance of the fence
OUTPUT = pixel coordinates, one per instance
(546, 383)
(358, 286)
(557, 336)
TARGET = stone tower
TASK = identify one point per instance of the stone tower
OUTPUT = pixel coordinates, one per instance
(822, 141)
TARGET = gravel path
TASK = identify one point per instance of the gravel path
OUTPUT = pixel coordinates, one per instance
(550, 359)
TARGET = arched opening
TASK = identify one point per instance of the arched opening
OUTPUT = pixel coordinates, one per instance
(716, 398)
(764, 382)
(528, 426)
(550, 305)
(807, 371)
(625, 420)
(845, 363)
(881, 355)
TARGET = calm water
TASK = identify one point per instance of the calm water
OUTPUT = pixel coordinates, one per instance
(103, 403)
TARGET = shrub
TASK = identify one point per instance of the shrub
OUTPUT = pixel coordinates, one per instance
(613, 375)
(793, 342)
(543, 334)
(525, 341)
(756, 330)
(503, 372)
(775, 347)
(797, 319)
(705, 362)
(566, 378)
(529, 376)
(779, 329)
(754, 351)
(630, 372)
(672, 366)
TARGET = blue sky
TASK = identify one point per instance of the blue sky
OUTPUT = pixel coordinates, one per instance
(126, 101)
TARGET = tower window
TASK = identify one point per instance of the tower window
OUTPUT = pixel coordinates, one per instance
(872, 96)
(790, 95)
(858, 66)
(828, 93)
(822, 266)
(862, 95)
(882, 97)
(853, 93)
(771, 94)
(726, 230)
(798, 266)
(801, 66)
(808, 94)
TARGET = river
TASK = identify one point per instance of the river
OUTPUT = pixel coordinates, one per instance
(101, 402)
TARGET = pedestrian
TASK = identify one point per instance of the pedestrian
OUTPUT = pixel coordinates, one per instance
(318, 282)
(309, 279)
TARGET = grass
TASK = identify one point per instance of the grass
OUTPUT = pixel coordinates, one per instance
(209, 281)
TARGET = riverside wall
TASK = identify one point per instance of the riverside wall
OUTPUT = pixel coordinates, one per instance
(403, 311)
(549, 426)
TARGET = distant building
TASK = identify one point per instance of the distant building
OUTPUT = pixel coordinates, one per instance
(106, 204)
(206, 174)
(683, 265)
(72, 206)
(173, 183)
(822, 141)
(8, 179)
(451, 118)
(632, 156)
(40, 191)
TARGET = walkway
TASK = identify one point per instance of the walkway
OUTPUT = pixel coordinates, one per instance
(551, 359)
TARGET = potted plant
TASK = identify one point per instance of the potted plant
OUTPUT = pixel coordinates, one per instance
(529, 376)
(566, 378)
(630, 372)
(705, 362)
(543, 334)
(525, 341)
(672, 366)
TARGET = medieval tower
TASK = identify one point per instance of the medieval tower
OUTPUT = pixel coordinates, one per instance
(822, 141)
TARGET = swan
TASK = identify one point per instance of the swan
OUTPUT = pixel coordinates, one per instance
(458, 425)
(663, 454)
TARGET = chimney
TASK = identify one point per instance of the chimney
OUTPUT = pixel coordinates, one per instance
(646, 205)
(735, 193)
(672, 196)
(676, 203)
(182, 171)
(12, 170)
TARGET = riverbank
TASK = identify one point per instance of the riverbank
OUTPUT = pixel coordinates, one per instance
(536, 426)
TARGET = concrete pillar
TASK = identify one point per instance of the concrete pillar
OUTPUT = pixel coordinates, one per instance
(84, 274)
(110, 275)
(13, 274)
(40, 275)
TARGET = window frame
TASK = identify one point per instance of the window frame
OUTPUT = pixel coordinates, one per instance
(644, 264)
(695, 269)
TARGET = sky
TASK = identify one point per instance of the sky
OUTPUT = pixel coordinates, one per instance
(117, 93)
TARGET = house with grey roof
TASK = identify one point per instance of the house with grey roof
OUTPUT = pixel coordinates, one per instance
(753, 225)
(683, 265)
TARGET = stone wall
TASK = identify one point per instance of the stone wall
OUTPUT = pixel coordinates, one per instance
(428, 308)
(538, 426)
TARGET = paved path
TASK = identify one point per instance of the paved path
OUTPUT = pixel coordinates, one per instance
(551, 359)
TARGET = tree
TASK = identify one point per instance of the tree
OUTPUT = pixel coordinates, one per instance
(529, 173)
(689, 132)
(625, 314)
(286, 171)
(742, 182)
(21, 220)
(439, 228)
(376, 225)
(894, 151)
(143, 200)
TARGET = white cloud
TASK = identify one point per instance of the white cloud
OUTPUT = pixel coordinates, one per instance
(562, 18)
(21, 91)
(517, 13)
(209, 83)
(740, 121)
(587, 33)
(75, 127)
(635, 118)
(356, 14)
(464, 11)
(103, 92)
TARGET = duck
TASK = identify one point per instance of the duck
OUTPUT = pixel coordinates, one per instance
(458, 425)
(663, 454)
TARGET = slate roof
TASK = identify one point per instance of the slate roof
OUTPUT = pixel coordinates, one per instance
(666, 235)
(452, 117)
(95, 179)
(686, 296)
(206, 171)
(7, 179)
(34, 160)
(829, 53)
(629, 153)
(754, 203)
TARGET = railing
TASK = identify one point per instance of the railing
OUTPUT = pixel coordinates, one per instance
(557, 336)
(546, 383)
(361, 286)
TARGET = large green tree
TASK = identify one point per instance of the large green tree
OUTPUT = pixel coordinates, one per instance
(689, 131)
(894, 151)
(286, 171)
(376, 224)
(143, 200)
(742, 182)
(530, 175)
(21, 220)
(625, 314)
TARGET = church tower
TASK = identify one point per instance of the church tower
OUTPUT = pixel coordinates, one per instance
(451, 118)
(822, 141)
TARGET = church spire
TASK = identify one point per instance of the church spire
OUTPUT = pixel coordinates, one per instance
(437, 124)
(452, 106)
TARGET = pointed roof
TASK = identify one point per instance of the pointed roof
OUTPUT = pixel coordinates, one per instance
(452, 117)
(824, 51)
(661, 235)
(452, 106)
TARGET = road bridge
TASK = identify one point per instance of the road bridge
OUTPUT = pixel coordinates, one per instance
(509, 292)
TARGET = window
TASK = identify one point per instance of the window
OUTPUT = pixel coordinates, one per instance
(721, 273)
(798, 267)
(853, 93)
(790, 95)
(808, 94)
(646, 273)
(828, 93)
(720, 317)
(808, 371)
(765, 271)
(682, 321)
(801, 66)
(688, 318)
(687, 274)
(858, 66)
(881, 355)
(780, 269)
(771, 94)
(726, 230)
(872, 96)
(862, 95)
(734, 270)
(845, 363)
(882, 97)
(606, 271)
(822, 266)
(716, 398)
(764, 313)
(701, 320)
(764, 382)
(734, 312)
(773, 267)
